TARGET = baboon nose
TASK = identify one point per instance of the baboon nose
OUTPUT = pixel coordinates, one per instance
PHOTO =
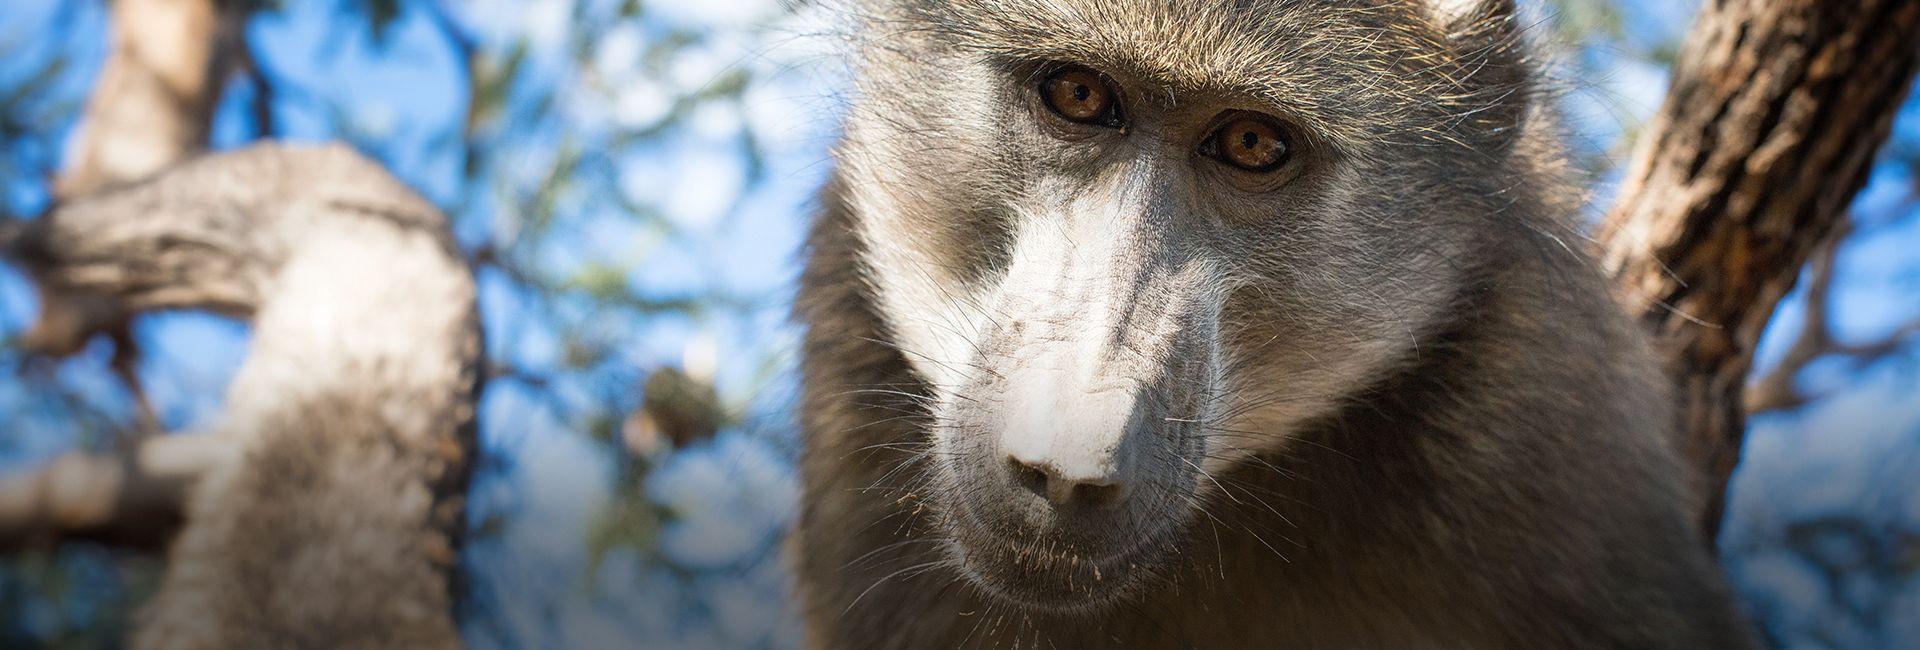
(1064, 491)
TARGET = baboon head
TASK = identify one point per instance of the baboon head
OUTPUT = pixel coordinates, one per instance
(1128, 244)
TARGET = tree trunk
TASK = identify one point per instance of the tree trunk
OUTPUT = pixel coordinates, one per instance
(333, 516)
(325, 510)
(1776, 110)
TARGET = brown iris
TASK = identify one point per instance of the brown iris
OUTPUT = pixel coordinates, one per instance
(1250, 142)
(1081, 95)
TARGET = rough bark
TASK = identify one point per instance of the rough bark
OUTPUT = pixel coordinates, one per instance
(333, 518)
(1776, 110)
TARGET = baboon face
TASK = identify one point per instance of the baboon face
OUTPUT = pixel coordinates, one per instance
(1130, 244)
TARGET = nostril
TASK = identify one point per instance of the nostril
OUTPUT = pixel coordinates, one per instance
(1063, 492)
(1097, 495)
(1027, 476)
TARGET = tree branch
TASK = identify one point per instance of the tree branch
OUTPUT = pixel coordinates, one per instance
(1776, 109)
(1776, 391)
(132, 499)
(151, 108)
(350, 423)
(153, 104)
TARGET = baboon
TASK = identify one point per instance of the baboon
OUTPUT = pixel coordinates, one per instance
(1225, 323)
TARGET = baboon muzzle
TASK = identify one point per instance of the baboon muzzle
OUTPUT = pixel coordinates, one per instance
(1077, 442)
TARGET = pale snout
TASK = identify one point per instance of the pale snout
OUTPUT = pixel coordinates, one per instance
(1066, 438)
(1074, 442)
(1086, 426)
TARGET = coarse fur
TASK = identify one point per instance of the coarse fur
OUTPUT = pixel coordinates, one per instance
(1073, 386)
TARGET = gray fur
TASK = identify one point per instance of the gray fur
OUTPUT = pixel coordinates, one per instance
(1384, 401)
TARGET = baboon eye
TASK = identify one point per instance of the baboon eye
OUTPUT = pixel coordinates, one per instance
(1081, 95)
(1249, 141)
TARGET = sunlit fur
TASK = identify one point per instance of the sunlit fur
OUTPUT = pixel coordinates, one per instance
(1379, 399)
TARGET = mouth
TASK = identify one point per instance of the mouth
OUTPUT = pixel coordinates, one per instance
(1051, 576)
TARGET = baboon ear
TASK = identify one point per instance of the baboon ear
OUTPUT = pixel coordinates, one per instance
(1491, 63)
